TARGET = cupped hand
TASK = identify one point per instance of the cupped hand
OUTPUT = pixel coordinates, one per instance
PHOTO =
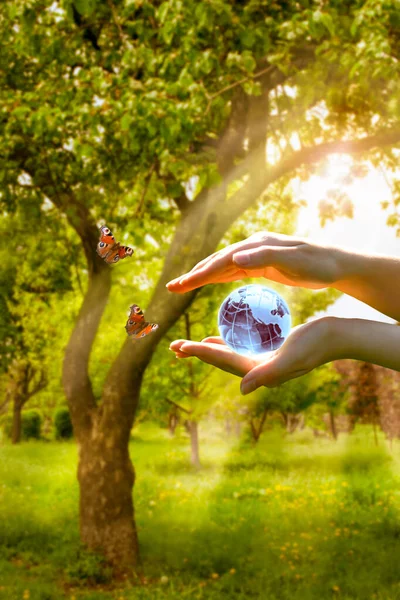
(281, 258)
(307, 347)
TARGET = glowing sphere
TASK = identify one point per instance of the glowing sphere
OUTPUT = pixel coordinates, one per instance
(254, 320)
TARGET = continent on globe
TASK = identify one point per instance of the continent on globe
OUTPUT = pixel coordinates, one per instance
(254, 320)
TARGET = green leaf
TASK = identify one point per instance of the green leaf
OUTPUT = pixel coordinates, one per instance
(85, 7)
(248, 61)
(247, 38)
(163, 11)
(325, 19)
(126, 121)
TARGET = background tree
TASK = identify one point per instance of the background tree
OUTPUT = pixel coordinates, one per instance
(36, 275)
(389, 402)
(331, 390)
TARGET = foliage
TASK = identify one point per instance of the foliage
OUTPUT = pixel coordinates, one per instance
(88, 568)
(62, 424)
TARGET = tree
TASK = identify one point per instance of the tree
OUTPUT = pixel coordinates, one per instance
(190, 383)
(29, 286)
(331, 397)
(129, 102)
(389, 402)
(364, 405)
(363, 398)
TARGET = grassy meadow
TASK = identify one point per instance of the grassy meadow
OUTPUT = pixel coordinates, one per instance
(293, 518)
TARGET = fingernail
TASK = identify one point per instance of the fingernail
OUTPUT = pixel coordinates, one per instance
(172, 282)
(248, 386)
(241, 259)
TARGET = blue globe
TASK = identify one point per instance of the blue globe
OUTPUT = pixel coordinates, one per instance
(254, 320)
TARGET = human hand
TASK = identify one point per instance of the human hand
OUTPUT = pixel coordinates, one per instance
(307, 347)
(281, 258)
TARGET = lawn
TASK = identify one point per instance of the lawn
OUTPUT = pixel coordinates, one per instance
(294, 518)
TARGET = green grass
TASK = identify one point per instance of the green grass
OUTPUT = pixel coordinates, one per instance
(294, 518)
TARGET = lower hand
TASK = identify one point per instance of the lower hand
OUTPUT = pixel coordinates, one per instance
(308, 346)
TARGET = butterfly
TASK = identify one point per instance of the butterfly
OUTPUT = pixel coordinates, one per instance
(136, 326)
(109, 249)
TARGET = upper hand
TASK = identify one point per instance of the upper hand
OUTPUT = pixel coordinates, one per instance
(281, 258)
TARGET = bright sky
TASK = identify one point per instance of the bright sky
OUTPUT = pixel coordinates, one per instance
(366, 231)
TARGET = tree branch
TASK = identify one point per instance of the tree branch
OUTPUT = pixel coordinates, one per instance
(189, 412)
(236, 83)
(256, 185)
(144, 192)
(40, 385)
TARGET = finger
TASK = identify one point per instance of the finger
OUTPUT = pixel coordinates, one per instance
(175, 346)
(213, 339)
(199, 265)
(219, 356)
(227, 250)
(217, 263)
(267, 256)
(187, 286)
(181, 355)
(275, 371)
(222, 262)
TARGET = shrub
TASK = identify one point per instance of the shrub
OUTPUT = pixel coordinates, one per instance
(31, 423)
(88, 568)
(63, 424)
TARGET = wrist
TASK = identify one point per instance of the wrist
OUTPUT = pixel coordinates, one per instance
(338, 338)
(348, 266)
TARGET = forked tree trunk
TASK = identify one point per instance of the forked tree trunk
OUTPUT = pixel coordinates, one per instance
(257, 427)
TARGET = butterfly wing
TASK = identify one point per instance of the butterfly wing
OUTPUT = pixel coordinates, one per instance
(112, 254)
(144, 329)
(124, 251)
(106, 243)
(106, 236)
(110, 250)
(136, 326)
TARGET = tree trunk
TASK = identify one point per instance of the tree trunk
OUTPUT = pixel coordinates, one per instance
(292, 422)
(238, 429)
(106, 477)
(173, 421)
(194, 444)
(17, 422)
(255, 433)
(332, 424)
(375, 433)
(228, 426)
(257, 428)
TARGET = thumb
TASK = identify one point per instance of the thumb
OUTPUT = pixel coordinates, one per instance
(265, 256)
(270, 374)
